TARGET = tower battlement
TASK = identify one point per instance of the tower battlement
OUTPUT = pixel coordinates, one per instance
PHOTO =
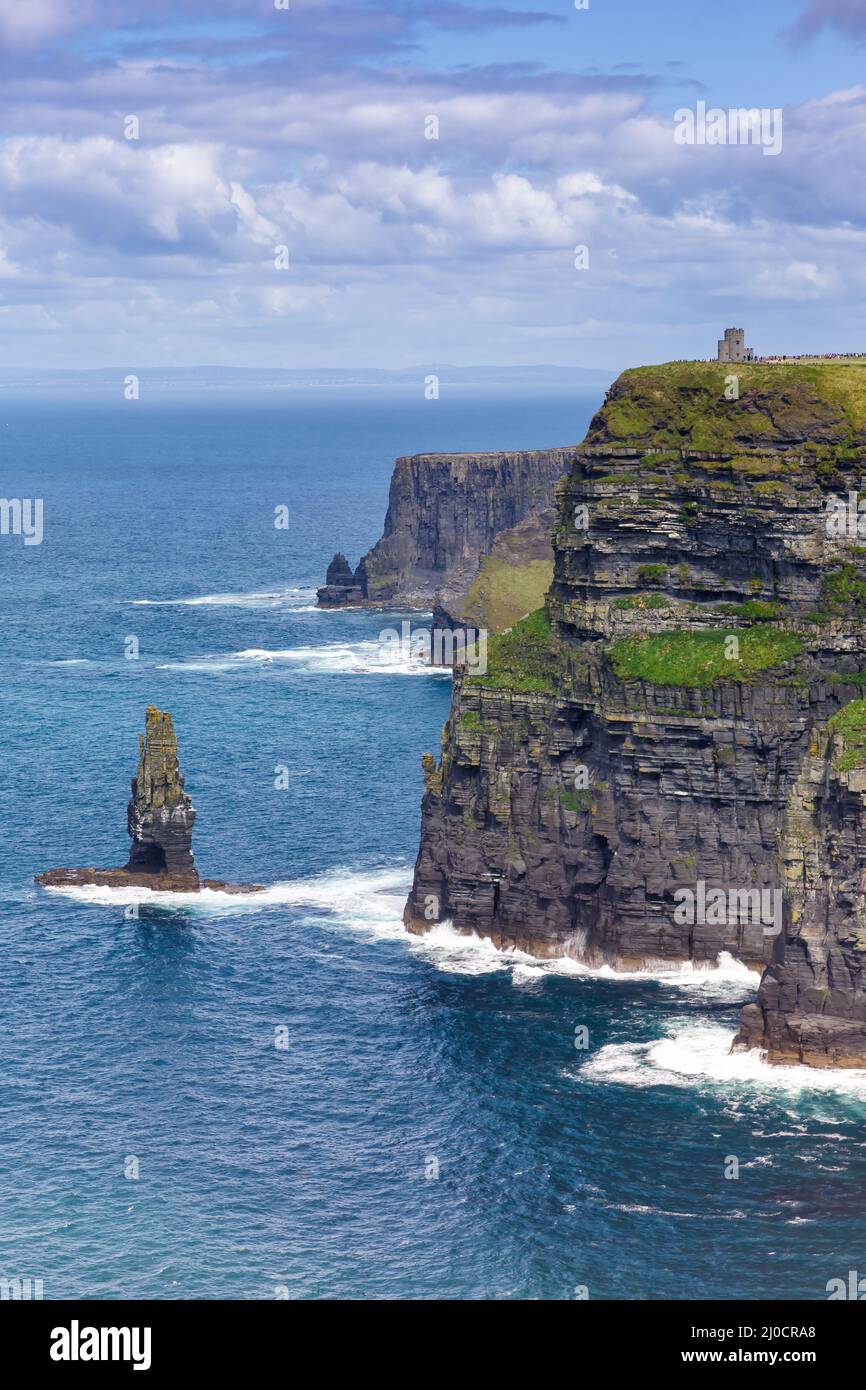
(732, 347)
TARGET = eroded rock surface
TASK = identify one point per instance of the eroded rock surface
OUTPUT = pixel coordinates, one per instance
(445, 512)
(617, 755)
(160, 820)
(340, 589)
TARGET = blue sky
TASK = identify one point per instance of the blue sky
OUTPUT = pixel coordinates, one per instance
(305, 128)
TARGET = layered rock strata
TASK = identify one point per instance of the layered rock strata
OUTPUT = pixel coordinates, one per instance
(445, 512)
(160, 820)
(811, 1005)
(646, 771)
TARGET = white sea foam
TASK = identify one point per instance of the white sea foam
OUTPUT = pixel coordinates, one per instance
(363, 897)
(370, 658)
(373, 902)
(726, 978)
(700, 1053)
(300, 600)
(207, 901)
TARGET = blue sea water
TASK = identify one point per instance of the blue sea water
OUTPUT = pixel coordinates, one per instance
(429, 1129)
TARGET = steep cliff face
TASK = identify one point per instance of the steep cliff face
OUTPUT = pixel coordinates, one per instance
(646, 771)
(510, 581)
(445, 511)
(811, 1005)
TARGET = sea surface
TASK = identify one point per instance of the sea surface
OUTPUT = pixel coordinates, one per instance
(290, 1096)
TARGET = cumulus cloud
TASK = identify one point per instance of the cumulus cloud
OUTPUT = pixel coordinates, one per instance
(308, 128)
(174, 198)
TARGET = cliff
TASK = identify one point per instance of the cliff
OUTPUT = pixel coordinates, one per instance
(445, 513)
(811, 1004)
(665, 762)
(160, 819)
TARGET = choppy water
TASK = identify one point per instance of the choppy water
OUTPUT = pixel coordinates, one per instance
(153, 1038)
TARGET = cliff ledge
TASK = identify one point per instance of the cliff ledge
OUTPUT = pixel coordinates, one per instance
(668, 760)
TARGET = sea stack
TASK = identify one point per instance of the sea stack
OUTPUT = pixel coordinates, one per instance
(160, 816)
(160, 819)
(341, 588)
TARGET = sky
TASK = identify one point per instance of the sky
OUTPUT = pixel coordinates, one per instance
(232, 183)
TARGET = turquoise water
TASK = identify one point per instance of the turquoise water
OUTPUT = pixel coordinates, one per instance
(429, 1129)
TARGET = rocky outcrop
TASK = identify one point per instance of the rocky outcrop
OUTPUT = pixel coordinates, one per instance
(445, 512)
(645, 773)
(811, 1005)
(160, 820)
(160, 816)
(340, 589)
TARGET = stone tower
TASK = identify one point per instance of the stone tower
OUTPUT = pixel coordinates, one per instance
(732, 348)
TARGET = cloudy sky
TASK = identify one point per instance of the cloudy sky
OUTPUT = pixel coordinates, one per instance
(307, 128)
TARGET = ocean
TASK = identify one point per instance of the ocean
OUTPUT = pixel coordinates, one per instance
(291, 1097)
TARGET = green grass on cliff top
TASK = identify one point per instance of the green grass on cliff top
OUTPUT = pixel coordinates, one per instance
(850, 725)
(526, 658)
(678, 401)
(698, 659)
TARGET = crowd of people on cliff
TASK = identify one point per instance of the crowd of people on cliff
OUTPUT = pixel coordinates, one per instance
(791, 357)
(808, 356)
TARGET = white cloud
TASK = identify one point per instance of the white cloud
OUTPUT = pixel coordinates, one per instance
(172, 198)
(26, 23)
(401, 247)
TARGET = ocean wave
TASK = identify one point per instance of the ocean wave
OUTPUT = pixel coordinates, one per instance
(299, 600)
(726, 978)
(643, 1209)
(368, 898)
(458, 953)
(369, 658)
(700, 1053)
(206, 901)
(372, 901)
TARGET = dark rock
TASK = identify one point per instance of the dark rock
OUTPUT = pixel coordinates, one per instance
(340, 596)
(340, 589)
(811, 1005)
(160, 820)
(732, 784)
(340, 572)
(445, 511)
(160, 815)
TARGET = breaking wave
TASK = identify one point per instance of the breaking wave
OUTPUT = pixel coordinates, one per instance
(701, 1053)
(372, 901)
(369, 658)
(299, 600)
